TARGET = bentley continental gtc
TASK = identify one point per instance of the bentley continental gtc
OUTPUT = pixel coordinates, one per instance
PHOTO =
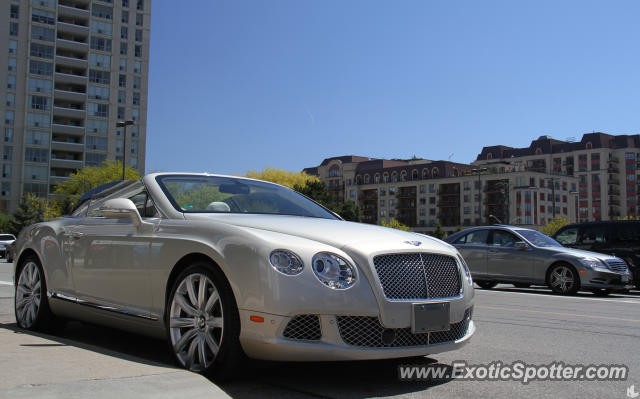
(225, 267)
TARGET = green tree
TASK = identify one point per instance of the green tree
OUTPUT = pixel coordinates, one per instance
(4, 221)
(394, 224)
(31, 209)
(91, 177)
(438, 232)
(317, 191)
(554, 225)
(348, 210)
(281, 176)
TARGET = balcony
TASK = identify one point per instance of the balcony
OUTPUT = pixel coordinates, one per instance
(72, 9)
(67, 146)
(71, 62)
(613, 160)
(613, 181)
(67, 128)
(64, 112)
(71, 79)
(57, 180)
(613, 170)
(73, 29)
(72, 45)
(73, 96)
(63, 163)
(614, 202)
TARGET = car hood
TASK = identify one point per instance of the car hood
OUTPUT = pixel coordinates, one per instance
(337, 233)
(580, 253)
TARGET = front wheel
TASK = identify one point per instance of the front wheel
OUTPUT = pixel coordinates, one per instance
(30, 300)
(203, 323)
(563, 279)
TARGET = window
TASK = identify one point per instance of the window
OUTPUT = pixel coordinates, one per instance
(6, 170)
(94, 159)
(6, 189)
(124, 17)
(39, 102)
(100, 60)
(36, 154)
(137, 67)
(42, 33)
(13, 29)
(100, 11)
(139, 19)
(103, 28)
(43, 17)
(134, 130)
(136, 101)
(122, 81)
(123, 64)
(123, 48)
(8, 135)
(32, 172)
(47, 3)
(11, 82)
(121, 113)
(7, 153)
(13, 47)
(14, 11)
(9, 117)
(38, 120)
(40, 85)
(135, 114)
(11, 100)
(477, 237)
(137, 83)
(37, 189)
(124, 32)
(134, 147)
(125, 3)
(137, 51)
(100, 44)
(98, 93)
(140, 5)
(122, 99)
(138, 35)
(503, 238)
(101, 110)
(41, 50)
(96, 143)
(36, 137)
(40, 68)
(119, 145)
(99, 76)
(96, 126)
(12, 64)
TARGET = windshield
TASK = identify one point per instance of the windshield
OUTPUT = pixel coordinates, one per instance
(6, 237)
(538, 239)
(213, 194)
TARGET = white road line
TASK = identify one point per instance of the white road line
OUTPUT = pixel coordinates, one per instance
(6, 283)
(558, 296)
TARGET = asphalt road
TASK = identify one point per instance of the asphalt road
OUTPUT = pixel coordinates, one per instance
(513, 324)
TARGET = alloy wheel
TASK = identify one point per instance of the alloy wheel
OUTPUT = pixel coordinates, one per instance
(28, 295)
(562, 279)
(196, 322)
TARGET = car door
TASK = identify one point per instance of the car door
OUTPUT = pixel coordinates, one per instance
(505, 262)
(473, 248)
(110, 263)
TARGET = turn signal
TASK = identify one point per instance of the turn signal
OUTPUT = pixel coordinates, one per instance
(581, 271)
(256, 319)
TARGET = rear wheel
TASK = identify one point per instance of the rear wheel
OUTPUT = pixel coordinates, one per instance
(203, 322)
(487, 285)
(30, 301)
(563, 279)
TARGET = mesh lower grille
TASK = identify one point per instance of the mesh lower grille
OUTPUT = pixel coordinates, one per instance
(418, 276)
(303, 327)
(367, 331)
(617, 266)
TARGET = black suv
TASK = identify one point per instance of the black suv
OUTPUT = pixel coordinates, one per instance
(620, 238)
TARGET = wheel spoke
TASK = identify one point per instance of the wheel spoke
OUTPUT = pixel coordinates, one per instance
(215, 322)
(21, 303)
(211, 343)
(181, 301)
(182, 322)
(202, 352)
(186, 337)
(202, 292)
(191, 353)
(191, 290)
(212, 301)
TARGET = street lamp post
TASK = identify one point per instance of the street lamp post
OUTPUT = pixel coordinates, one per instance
(123, 125)
(478, 172)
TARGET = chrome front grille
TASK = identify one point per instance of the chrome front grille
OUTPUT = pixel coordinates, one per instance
(618, 266)
(368, 332)
(418, 275)
(303, 327)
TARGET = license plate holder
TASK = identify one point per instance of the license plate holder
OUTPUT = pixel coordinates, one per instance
(429, 317)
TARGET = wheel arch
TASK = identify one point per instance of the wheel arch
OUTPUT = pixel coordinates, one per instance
(25, 254)
(557, 263)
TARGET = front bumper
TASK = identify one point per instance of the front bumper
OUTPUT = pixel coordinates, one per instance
(606, 280)
(266, 341)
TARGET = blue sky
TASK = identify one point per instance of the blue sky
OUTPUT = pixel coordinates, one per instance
(238, 85)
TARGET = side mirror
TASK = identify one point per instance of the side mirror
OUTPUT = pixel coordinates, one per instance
(521, 245)
(121, 208)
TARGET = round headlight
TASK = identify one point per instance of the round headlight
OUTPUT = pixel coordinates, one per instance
(286, 262)
(333, 271)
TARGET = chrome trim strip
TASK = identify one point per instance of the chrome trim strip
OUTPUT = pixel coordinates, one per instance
(68, 298)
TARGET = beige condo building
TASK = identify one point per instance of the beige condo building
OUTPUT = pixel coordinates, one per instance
(71, 70)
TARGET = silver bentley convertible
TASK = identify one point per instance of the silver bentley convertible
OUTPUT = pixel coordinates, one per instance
(225, 266)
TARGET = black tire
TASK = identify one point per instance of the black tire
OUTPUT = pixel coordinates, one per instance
(521, 285)
(44, 319)
(558, 279)
(230, 355)
(487, 285)
(601, 291)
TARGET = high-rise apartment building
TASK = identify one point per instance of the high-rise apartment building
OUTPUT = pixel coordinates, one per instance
(70, 70)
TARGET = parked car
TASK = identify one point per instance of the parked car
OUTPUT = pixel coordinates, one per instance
(524, 257)
(5, 241)
(619, 238)
(225, 266)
